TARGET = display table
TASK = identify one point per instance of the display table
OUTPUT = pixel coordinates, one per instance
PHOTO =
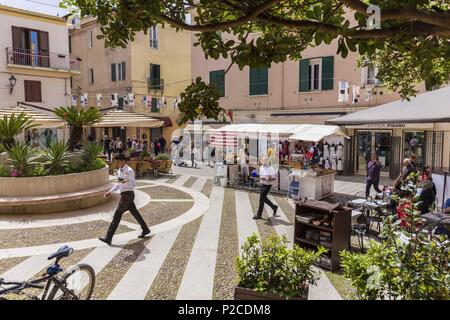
(314, 187)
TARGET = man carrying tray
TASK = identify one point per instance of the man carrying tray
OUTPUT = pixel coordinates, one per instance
(267, 175)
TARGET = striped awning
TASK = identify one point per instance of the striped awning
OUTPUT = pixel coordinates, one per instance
(223, 139)
(121, 118)
(40, 119)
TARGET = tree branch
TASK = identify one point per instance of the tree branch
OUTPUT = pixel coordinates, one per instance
(221, 25)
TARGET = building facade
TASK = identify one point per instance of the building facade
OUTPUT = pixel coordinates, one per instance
(146, 77)
(319, 87)
(35, 64)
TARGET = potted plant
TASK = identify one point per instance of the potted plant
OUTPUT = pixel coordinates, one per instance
(270, 270)
(164, 162)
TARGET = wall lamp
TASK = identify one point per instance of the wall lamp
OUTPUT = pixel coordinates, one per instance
(12, 83)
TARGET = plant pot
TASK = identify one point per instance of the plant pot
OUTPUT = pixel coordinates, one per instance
(249, 294)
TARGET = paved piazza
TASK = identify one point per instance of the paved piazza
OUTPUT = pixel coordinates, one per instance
(197, 231)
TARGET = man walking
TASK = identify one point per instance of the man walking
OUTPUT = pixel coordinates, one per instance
(126, 184)
(373, 174)
(107, 147)
(267, 176)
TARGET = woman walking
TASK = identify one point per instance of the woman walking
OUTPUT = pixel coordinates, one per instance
(373, 174)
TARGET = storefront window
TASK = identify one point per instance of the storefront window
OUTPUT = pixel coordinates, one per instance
(414, 143)
(368, 142)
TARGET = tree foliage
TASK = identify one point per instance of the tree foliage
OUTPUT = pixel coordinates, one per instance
(411, 45)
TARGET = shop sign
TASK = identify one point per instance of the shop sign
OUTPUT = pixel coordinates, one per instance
(392, 126)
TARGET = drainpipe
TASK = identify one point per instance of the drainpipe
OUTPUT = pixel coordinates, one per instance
(282, 85)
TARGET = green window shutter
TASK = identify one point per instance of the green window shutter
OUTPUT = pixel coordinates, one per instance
(155, 105)
(259, 79)
(327, 73)
(113, 72)
(217, 79)
(305, 81)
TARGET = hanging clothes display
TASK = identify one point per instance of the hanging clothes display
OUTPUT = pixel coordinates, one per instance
(99, 99)
(343, 91)
(326, 150)
(333, 164)
(355, 94)
(332, 151)
(340, 165)
(339, 151)
(327, 164)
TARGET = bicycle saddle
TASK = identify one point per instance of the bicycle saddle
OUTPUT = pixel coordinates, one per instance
(62, 252)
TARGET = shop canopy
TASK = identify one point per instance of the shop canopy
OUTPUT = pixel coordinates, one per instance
(315, 133)
(227, 135)
(121, 118)
(39, 118)
(428, 107)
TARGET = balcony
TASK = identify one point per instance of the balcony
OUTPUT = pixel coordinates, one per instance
(155, 84)
(41, 59)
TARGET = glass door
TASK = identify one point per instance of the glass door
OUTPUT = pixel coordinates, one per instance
(34, 47)
(364, 150)
(383, 149)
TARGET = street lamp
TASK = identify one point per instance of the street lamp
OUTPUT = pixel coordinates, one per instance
(12, 83)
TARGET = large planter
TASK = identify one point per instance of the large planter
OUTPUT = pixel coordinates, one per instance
(249, 294)
(23, 195)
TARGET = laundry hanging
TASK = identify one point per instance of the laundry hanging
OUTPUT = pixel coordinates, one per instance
(343, 91)
(99, 99)
(74, 100)
(355, 94)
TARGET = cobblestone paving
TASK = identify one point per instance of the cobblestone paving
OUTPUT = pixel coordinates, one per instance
(16, 238)
(159, 212)
(163, 192)
(6, 264)
(168, 280)
(225, 276)
(265, 226)
(111, 274)
(190, 182)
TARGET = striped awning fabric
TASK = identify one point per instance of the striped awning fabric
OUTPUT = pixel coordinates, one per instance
(121, 118)
(39, 118)
(223, 139)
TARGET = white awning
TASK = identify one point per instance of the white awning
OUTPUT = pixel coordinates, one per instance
(281, 129)
(316, 133)
(121, 118)
(428, 107)
(39, 118)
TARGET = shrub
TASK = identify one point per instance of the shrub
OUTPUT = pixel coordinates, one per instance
(89, 153)
(271, 267)
(22, 158)
(163, 156)
(2, 148)
(4, 172)
(39, 171)
(56, 157)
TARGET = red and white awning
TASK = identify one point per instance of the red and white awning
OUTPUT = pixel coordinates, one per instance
(223, 139)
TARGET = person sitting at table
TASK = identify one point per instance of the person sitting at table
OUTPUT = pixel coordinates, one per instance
(427, 197)
(441, 228)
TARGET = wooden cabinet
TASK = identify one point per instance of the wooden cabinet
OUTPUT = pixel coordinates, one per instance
(335, 237)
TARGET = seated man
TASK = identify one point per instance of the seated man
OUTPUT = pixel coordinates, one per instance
(441, 228)
(427, 197)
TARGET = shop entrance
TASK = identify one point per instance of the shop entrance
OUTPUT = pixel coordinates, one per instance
(368, 142)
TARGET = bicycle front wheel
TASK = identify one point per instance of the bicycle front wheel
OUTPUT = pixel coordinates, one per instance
(79, 282)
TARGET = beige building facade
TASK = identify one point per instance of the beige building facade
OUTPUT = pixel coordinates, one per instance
(146, 77)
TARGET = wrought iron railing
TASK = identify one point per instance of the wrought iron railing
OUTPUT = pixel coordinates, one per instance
(155, 84)
(42, 59)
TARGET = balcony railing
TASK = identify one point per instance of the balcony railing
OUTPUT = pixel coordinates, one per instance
(155, 84)
(42, 59)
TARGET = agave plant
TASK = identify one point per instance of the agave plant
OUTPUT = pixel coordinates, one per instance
(22, 158)
(90, 152)
(57, 157)
(2, 148)
(77, 119)
(11, 126)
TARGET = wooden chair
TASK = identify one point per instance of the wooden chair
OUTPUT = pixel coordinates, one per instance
(146, 167)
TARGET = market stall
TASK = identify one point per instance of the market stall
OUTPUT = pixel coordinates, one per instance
(311, 153)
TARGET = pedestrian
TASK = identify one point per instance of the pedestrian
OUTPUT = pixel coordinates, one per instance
(162, 144)
(413, 163)
(129, 143)
(118, 146)
(156, 146)
(107, 146)
(426, 174)
(373, 174)
(125, 185)
(267, 175)
(192, 154)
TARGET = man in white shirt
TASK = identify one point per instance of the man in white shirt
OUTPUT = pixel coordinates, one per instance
(267, 175)
(126, 184)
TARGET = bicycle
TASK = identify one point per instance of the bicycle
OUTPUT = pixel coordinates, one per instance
(76, 284)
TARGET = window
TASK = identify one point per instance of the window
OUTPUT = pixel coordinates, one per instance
(371, 73)
(155, 77)
(259, 81)
(90, 38)
(122, 72)
(31, 47)
(217, 79)
(33, 91)
(91, 76)
(153, 33)
(316, 74)
(70, 43)
(155, 105)
(113, 72)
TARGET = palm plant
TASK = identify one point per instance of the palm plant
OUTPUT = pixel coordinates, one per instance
(11, 126)
(22, 158)
(77, 119)
(90, 152)
(56, 157)
(2, 148)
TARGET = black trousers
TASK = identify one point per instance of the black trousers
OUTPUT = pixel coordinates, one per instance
(265, 189)
(369, 184)
(126, 203)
